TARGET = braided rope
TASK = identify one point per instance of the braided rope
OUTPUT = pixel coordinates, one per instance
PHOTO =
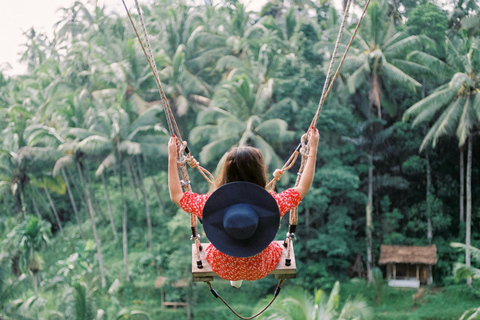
(151, 63)
(172, 125)
(330, 67)
(341, 62)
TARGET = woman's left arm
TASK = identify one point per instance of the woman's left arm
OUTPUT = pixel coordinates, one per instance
(174, 186)
(309, 171)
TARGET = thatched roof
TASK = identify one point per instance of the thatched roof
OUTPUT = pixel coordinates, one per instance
(406, 254)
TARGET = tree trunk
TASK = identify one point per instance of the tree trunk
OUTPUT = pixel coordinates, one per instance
(18, 202)
(130, 178)
(35, 207)
(469, 205)
(95, 204)
(134, 172)
(52, 205)
(6, 205)
(77, 188)
(21, 189)
(94, 228)
(147, 207)
(462, 185)
(157, 194)
(428, 199)
(109, 207)
(124, 219)
(35, 283)
(369, 218)
(72, 201)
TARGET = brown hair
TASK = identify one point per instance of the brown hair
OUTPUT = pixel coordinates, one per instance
(243, 164)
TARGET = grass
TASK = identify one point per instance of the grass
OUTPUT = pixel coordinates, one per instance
(437, 303)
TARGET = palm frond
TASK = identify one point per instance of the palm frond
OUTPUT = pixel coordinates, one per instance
(275, 130)
(474, 252)
(445, 124)
(217, 148)
(426, 108)
(63, 162)
(399, 76)
(202, 133)
(467, 122)
(411, 67)
(435, 65)
(108, 162)
(211, 115)
(401, 47)
(356, 79)
(130, 147)
(94, 145)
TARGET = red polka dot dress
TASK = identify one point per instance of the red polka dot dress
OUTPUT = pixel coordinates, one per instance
(234, 268)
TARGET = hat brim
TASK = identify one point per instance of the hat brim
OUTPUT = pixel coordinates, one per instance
(241, 193)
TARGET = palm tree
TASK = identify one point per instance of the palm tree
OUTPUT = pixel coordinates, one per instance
(378, 56)
(74, 159)
(118, 137)
(454, 109)
(299, 304)
(33, 235)
(373, 146)
(238, 115)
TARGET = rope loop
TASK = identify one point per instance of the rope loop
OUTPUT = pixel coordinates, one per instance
(196, 237)
(291, 235)
(278, 173)
(192, 162)
(304, 148)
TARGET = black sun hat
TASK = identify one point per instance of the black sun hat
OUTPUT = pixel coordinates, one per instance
(241, 219)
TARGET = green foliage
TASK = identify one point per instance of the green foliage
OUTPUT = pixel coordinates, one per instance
(231, 77)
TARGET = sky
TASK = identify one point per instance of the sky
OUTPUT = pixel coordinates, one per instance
(18, 16)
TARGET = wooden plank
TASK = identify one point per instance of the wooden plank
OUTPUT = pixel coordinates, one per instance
(204, 274)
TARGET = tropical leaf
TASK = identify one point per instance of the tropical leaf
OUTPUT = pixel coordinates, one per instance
(108, 162)
(434, 64)
(130, 147)
(202, 133)
(52, 183)
(275, 130)
(62, 163)
(467, 122)
(94, 145)
(425, 109)
(399, 76)
(217, 148)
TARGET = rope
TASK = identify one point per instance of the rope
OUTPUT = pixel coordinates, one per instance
(330, 67)
(277, 291)
(172, 124)
(324, 97)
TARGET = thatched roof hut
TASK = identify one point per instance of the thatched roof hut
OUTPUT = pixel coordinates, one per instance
(408, 266)
(408, 254)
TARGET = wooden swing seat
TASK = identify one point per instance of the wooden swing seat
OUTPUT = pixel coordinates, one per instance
(204, 274)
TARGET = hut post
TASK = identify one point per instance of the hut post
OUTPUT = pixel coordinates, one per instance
(430, 276)
(394, 272)
(418, 272)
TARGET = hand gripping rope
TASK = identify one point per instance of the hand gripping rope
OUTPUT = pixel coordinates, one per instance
(193, 163)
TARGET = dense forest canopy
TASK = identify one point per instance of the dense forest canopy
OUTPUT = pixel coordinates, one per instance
(86, 223)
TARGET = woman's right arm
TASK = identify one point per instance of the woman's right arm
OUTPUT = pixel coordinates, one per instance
(309, 170)
(174, 186)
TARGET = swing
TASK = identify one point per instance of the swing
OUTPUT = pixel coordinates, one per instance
(286, 268)
(205, 273)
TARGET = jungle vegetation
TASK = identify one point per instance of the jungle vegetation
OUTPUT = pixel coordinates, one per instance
(86, 224)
